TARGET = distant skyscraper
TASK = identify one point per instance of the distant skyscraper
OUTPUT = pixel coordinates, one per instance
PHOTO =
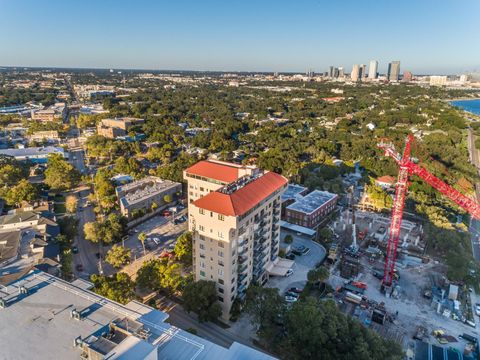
(355, 74)
(393, 71)
(335, 72)
(330, 71)
(373, 69)
(363, 71)
(407, 76)
(341, 72)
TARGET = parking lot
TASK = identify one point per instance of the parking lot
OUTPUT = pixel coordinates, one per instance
(303, 264)
(161, 234)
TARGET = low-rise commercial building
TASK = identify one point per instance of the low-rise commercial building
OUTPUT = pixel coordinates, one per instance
(50, 136)
(33, 154)
(311, 210)
(147, 194)
(113, 128)
(234, 216)
(44, 317)
(58, 111)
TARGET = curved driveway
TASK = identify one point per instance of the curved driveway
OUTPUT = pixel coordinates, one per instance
(303, 264)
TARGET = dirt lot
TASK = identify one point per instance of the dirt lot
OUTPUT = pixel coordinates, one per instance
(413, 309)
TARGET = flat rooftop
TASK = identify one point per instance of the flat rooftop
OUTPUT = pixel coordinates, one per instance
(39, 325)
(292, 191)
(32, 151)
(140, 190)
(309, 203)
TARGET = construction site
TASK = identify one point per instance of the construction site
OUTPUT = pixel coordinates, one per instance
(381, 275)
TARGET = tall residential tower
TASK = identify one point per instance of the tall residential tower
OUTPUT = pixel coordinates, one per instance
(234, 217)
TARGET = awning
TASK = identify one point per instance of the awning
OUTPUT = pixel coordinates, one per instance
(297, 228)
(280, 267)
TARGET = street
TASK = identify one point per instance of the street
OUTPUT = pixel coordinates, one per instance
(76, 158)
(87, 251)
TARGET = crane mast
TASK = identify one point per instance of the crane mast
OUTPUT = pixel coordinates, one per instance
(406, 168)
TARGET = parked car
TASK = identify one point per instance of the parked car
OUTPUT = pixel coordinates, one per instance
(74, 249)
(300, 250)
(292, 294)
(79, 267)
(166, 213)
(290, 299)
(156, 240)
(290, 256)
(289, 272)
(295, 290)
(477, 309)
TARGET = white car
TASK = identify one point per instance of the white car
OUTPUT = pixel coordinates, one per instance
(477, 309)
(156, 240)
(289, 272)
(290, 299)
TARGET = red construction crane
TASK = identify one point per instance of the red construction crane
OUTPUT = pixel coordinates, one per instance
(406, 168)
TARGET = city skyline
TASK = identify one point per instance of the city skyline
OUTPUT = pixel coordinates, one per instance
(262, 37)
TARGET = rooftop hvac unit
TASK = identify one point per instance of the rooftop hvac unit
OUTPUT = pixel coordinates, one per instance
(74, 314)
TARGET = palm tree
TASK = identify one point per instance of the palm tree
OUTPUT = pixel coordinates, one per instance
(142, 237)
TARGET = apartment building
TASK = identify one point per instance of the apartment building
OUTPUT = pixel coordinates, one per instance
(112, 128)
(146, 194)
(234, 216)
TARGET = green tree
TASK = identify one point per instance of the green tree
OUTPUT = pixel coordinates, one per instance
(11, 171)
(93, 231)
(113, 228)
(118, 287)
(263, 305)
(160, 274)
(201, 298)
(318, 275)
(104, 189)
(71, 202)
(288, 239)
(22, 192)
(60, 175)
(316, 328)
(118, 256)
(184, 248)
(167, 198)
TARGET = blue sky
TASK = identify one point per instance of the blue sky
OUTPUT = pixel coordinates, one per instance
(427, 36)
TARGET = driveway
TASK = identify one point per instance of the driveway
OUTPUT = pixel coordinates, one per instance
(157, 227)
(303, 264)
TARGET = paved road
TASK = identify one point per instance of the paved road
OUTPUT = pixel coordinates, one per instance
(86, 249)
(475, 224)
(76, 158)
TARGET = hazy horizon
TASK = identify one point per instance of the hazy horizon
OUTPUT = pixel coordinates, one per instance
(427, 37)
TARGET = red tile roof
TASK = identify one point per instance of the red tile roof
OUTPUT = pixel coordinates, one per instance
(387, 179)
(213, 170)
(245, 198)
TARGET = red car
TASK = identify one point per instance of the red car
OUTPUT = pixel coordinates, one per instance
(166, 213)
(165, 254)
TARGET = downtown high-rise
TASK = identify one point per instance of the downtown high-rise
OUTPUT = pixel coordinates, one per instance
(393, 73)
(373, 69)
